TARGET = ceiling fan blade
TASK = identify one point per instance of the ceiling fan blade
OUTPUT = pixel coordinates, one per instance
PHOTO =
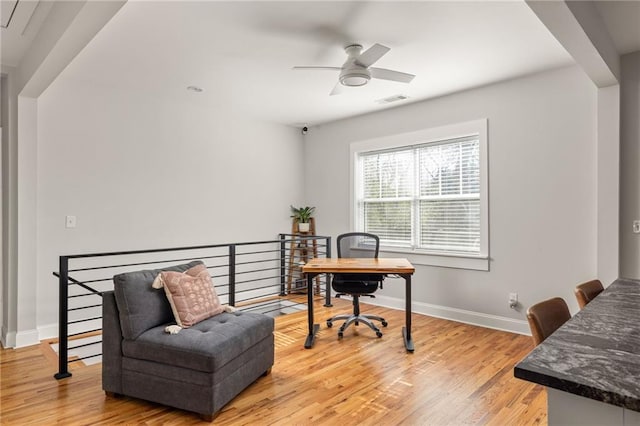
(318, 68)
(386, 74)
(371, 55)
(337, 89)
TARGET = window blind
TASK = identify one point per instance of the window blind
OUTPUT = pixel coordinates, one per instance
(424, 196)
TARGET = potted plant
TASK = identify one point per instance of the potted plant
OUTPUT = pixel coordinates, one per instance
(303, 216)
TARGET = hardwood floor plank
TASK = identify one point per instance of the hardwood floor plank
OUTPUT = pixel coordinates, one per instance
(458, 374)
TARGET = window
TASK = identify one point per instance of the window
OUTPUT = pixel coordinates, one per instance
(425, 192)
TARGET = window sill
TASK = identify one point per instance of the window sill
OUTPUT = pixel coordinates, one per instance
(475, 263)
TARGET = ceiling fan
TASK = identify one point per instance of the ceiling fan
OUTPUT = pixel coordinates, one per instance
(357, 69)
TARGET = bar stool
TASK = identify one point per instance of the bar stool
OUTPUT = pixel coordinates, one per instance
(546, 317)
(586, 292)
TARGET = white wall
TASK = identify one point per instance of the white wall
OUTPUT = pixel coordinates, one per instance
(630, 165)
(542, 191)
(143, 171)
(4, 103)
(27, 255)
(9, 207)
(608, 169)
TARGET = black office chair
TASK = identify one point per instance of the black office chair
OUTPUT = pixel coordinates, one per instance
(357, 245)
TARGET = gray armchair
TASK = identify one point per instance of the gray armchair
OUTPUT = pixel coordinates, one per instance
(200, 369)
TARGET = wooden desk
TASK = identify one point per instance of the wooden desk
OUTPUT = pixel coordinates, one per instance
(401, 267)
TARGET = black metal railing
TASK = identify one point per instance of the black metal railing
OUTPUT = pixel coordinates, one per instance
(253, 276)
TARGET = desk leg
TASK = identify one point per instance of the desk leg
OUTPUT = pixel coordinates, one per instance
(327, 291)
(406, 331)
(313, 328)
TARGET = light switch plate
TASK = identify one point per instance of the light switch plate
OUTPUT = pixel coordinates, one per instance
(636, 226)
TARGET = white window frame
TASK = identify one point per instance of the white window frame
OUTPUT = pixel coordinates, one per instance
(437, 134)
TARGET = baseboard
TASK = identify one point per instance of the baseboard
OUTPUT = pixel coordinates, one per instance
(48, 331)
(11, 339)
(453, 314)
(8, 338)
(27, 338)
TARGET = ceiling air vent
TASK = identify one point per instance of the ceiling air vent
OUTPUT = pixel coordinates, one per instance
(393, 98)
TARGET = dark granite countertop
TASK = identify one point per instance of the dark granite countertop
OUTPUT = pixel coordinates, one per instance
(596, 354)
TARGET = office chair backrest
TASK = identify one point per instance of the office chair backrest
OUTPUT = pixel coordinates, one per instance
(546, 317)
(586, 292)
(358, 245)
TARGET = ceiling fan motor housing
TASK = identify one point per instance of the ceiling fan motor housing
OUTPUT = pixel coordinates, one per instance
(354, 74)
(357, 69)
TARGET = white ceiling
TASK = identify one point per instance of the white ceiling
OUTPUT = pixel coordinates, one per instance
(622, 19)
(21, 20)
(242, 52)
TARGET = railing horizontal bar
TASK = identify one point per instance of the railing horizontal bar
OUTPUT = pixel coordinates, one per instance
(81, 284)
(84, 357)
(246, 253)
(224, 265)
(161, 250)
(219, 276)
(277, 268)
(84, 307)
(84, 320)
(257, 279)
(275, 302)
(147, 263)
(253, 298)
(288, 255)
(258, 261)
(82, 295)
(99, 280)
(256, 308)
(84, 332)
(313, 241)
(257, 288)
(97, 342)
(109, 279)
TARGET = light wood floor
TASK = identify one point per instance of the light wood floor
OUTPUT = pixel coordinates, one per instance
(459, 374)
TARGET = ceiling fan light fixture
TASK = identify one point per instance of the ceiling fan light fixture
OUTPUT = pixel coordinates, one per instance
(357, 70)
(354, 79)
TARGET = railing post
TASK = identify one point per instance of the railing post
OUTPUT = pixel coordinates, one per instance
(232, 275)
(63, 318)
(282, 263)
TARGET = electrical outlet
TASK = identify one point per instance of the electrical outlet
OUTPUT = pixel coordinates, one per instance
(513, 300)
(70, 222)
(636, 226)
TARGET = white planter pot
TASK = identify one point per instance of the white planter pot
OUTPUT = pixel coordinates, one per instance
(303, 227)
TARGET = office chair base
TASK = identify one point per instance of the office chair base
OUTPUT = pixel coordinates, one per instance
(357, 319)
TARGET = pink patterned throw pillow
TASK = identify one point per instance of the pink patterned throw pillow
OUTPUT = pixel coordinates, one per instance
(191, 295)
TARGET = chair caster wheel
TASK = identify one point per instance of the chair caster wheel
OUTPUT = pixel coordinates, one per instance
(384, 323)
(340, 335)
(329, 324)
(379, 334)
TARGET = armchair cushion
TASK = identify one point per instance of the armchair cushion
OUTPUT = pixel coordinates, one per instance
(140, 306)
(207, 346)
